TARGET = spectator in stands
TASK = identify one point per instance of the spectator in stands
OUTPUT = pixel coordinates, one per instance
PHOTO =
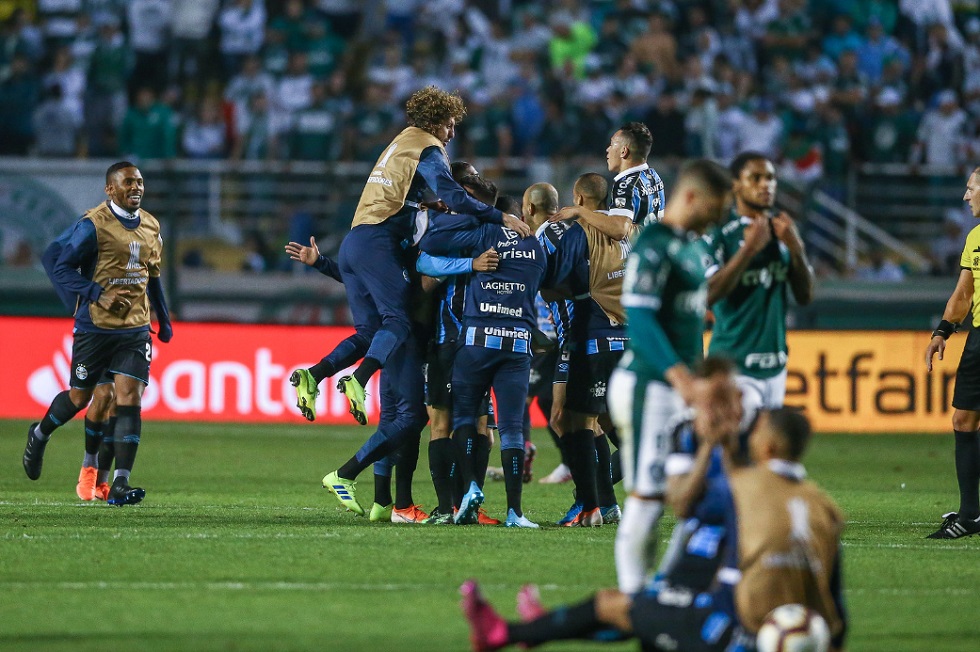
(943, 61)
(701, 124)
(105, 96)
(850, 89)
(878, 268)
(324, 50)
(190, 50)
(245, 85)
(877, 48)
(942, 132)
(945, 251)
(56, 124)
(486, 131)
(295, 22)
(70, 81)
(842, 37)
(836, 152)
(571, 42)
(242, 25)
(294, 92)
(728, 139)
(317, 131)
(147, 131)
(344, 15)
(888, 132)
(789, 32)
(657, 47)
(205, 135)
(149, 35)
(19, 95)
(762, 130)
(884, 12)
(752, 16)
(666, 123)
(370, 128)
(971, 67)
(256, 137)
(275, 54)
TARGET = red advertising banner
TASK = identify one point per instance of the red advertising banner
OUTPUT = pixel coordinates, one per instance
(208, 372)
(846, 381)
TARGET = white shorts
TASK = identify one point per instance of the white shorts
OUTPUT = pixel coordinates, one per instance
(760, 394)
(645, 418)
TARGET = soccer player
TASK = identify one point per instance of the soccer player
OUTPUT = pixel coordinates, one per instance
(401, 509)
(540, 204)
(374, 267)
(111, 263)
(664, 298)
(100, 421)
(592, 265)
(784, 548)
(499, 318)
(637, 196)
(756, 255)
(412, 168)
(966, 393)
(454, 276)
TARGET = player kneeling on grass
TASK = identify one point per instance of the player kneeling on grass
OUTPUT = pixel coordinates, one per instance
(783, 548)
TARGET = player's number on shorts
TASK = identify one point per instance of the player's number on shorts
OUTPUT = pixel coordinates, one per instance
(149, 351)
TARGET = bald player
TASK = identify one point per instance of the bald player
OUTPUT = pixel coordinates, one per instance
(591, 266)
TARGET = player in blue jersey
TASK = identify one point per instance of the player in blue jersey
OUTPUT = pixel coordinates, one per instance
(637, 195)
(444, 454)
(759, 537)
(540, 204)
(110, 264)
(374, 265)
(100, 418)
(591, 265)
(402, 508)
(499, 319)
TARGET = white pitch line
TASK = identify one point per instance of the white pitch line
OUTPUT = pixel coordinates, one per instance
(914, 546)
(158, 537)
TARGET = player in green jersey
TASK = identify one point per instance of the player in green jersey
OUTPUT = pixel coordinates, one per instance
(664, 294)
(757, 255)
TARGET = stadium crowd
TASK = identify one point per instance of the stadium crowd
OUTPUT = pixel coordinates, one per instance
(815, 84)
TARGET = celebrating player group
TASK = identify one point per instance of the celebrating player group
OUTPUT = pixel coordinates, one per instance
(459, 296)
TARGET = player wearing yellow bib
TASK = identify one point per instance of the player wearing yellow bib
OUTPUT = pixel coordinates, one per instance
(966, 394)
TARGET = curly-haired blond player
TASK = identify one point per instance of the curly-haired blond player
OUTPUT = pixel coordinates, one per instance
(374, 265)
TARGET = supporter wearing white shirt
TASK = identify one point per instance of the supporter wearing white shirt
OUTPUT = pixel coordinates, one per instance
(242, 25)
(942, 133)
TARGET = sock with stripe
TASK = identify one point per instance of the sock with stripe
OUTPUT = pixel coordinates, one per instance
(603, 476)
(107, 450)
(968, 472)
(442, 459)
(60, 412)
(93, 440)
(127, 437)
(481, 458)
(512, 459)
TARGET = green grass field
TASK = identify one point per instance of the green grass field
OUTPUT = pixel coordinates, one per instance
(237, 547)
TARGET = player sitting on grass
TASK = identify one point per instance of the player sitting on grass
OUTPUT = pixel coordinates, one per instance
(781, 545)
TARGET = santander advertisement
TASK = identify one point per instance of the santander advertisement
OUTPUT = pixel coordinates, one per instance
(208, 372)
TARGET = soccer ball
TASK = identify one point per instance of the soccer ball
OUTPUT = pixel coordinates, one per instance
(793, 628)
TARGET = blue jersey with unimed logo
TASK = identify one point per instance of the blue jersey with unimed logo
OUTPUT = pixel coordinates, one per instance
(499, 311)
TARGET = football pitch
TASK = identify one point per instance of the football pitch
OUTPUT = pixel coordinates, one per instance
(237, 547)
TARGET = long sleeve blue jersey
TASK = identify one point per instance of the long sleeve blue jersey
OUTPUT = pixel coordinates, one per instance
(500, 303)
